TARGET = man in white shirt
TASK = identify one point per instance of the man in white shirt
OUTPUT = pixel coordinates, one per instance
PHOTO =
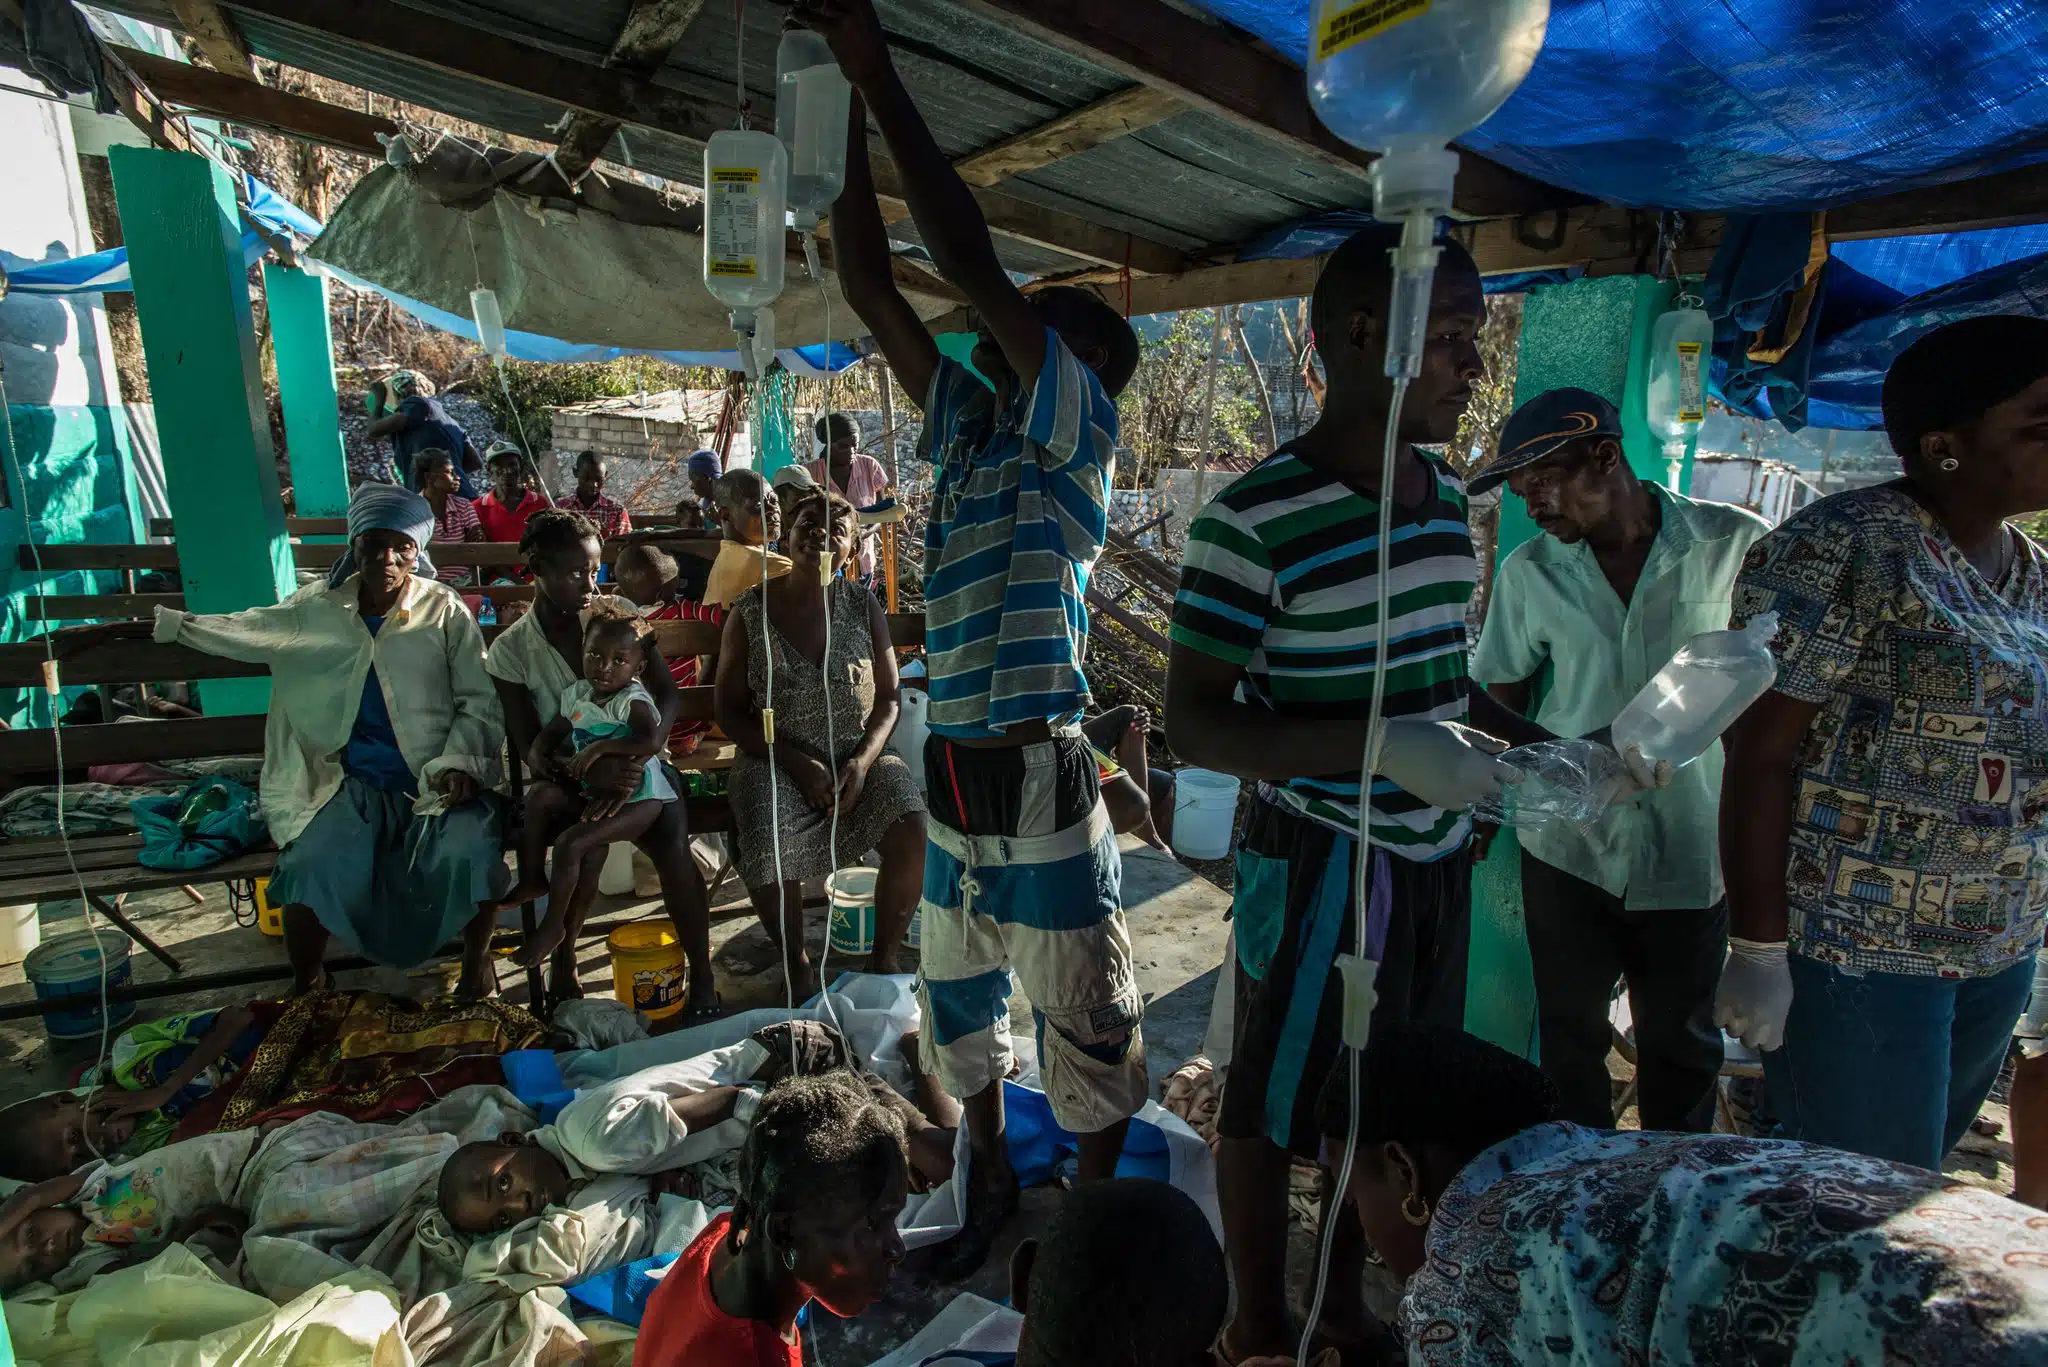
(1581, 616)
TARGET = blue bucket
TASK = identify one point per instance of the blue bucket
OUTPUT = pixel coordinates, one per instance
(71, 964)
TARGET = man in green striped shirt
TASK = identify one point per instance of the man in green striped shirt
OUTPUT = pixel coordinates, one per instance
(1271, 678)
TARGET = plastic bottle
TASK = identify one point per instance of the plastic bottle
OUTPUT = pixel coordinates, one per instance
(745, 173)
(490, 322)
(1676, 399)
(812, 99)
(1699, 693)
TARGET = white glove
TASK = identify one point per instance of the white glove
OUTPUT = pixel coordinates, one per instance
(1637, 774)
(1755, 994)
(2032, 1029)
(1443, 763)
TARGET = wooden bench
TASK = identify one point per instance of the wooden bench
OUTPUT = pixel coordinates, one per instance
(37, 869)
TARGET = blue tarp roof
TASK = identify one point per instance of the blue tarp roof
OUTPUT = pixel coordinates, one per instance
(108, 270)
(1733, 105)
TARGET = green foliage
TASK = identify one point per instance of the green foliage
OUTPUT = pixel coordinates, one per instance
(536, 389)
(1160, 414)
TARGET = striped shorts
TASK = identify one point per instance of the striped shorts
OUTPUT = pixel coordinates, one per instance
(1022, 873)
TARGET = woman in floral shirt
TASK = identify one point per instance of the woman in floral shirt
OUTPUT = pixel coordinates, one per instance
(1884, 819)
(1527, 1239)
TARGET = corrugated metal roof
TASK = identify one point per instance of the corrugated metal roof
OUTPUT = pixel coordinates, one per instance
(1195, 182)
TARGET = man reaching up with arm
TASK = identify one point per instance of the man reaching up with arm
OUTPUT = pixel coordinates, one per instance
(1022, 869)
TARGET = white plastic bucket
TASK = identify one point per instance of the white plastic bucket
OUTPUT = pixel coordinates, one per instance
(1204, 812)
(20, 932)
(70, 965)
(853, 910)
(906, 739)
(616, 878)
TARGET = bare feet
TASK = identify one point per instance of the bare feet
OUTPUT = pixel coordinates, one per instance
(883, 961)
(547, 937)
(479, 980)
(564, 982)
(991, 1200)
(305, 987)
(521, 895)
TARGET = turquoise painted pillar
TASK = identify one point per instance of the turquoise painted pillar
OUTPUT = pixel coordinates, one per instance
(1592, 334)
(199, 341)
(304, 342)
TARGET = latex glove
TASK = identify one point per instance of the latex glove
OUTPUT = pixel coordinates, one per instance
(2032, 1030)
(1443, 763)
(1755, 994)
(1638, 774)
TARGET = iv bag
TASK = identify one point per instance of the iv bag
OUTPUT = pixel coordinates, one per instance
(1381, 70)
(490, 323)
(1700, 692)
(744, 177)
(812, 100)
(1676, 400)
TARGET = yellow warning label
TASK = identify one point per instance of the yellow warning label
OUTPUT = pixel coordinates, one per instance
(1691, 398)
(743, 265)
(1341, 28)
(735, 175)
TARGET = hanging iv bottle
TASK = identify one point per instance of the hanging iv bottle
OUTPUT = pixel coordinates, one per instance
(812, 100)
(745, 174)
(1402, 78)
(1676, 398)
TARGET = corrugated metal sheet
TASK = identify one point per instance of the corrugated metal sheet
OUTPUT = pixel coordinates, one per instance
(1195, 182)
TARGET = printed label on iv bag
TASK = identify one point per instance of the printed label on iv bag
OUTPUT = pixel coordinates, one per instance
(1691, 408)
(1355, 23)
(732, 221)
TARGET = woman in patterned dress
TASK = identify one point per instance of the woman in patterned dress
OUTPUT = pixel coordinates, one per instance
(792, 793)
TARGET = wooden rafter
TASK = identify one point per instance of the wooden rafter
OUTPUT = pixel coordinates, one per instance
(1217, 69)
(652, 28)
(476, 54)
(1112, 117)
(201, 91)
(220, 42)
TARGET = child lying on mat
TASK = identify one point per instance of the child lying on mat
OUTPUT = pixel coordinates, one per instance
(160, 1068)
(655, 1122)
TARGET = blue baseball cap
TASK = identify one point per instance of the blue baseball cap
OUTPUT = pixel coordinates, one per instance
(1540, 427)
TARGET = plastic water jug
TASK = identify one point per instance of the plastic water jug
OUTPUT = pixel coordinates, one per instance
(1676, 401)
(1700, 692)
(1384, 70)
(812, 100)
(745, 175)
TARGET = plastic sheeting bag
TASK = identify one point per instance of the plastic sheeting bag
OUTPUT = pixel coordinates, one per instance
(1565, 782)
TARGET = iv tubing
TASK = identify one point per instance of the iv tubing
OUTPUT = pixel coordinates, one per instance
(1414, 265)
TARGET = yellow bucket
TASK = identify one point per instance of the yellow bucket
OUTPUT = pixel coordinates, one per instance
(269, 919)
(647, 968)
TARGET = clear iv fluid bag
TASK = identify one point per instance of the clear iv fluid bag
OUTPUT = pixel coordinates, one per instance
(812, 100)
(1700, 692)
(1385, 71)
(1676, 399)
(745, 175)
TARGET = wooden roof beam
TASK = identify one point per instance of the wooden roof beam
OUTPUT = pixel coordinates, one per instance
(1114, 116)
(1221, 71)
(202, 91)
(220, 42)
(652, 28)
(616, 94)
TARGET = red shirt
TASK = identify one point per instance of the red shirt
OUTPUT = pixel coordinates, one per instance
(684, 1327)
(611, 517)
(506, 524)
(682, 738)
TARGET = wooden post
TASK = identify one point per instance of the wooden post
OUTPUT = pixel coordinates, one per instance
(889, 439)
(191, 287)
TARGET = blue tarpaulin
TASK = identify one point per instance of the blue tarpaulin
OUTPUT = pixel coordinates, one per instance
(1735, 105)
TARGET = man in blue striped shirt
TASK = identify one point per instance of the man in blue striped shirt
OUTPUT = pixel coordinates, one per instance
(1022, 868)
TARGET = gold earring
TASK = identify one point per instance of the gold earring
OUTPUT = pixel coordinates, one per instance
(1415, 1209)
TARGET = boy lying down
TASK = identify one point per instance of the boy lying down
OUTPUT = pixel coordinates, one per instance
(662, 1119)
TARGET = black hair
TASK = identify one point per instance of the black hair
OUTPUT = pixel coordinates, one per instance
(1360, 273)
(827, 421)
(1083, 321)
(726, 492)
(552, 531)
(607, 613)
(426, 460)
(445, 1194)
(659, 562)
(1129, 1274)
(1953, 375)
(21, 1157)
(1433, 1084)
(814, 1138)
(582, 456)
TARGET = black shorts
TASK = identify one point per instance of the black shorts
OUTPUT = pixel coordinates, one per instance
(982, 791)
(1293, 915)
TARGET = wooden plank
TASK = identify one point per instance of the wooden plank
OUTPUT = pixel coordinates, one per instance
(79, 555)
(1112, 117)
(32, 749)
(2006, 200)
(135, 878)
(220, 42)
(244, 101)
(427, 38)
(119, 662)
(1214, 68)
(84, 607)
(1040, 226)
(297, 526)
(651, 29)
